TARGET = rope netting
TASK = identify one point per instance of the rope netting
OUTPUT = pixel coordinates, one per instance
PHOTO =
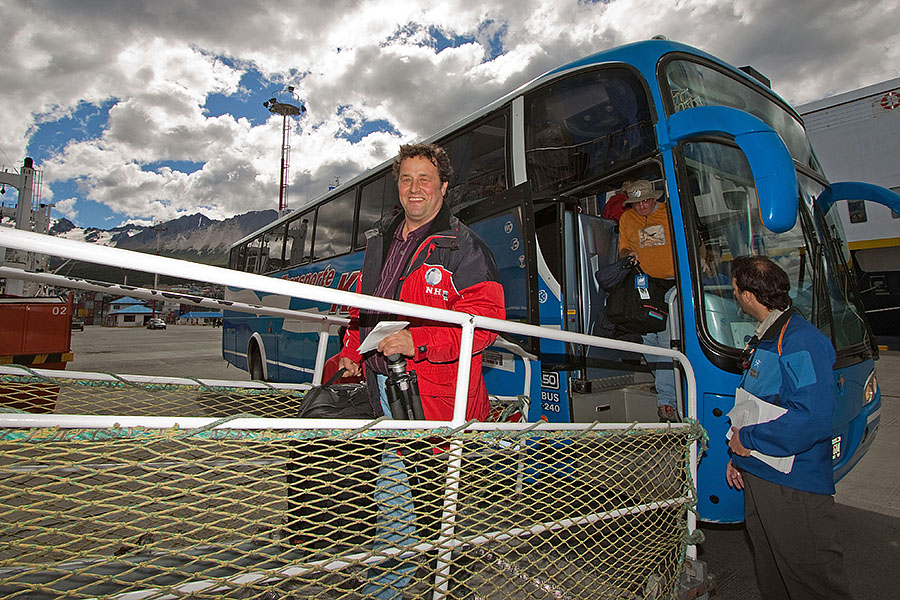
(43, 391)
(370, 513)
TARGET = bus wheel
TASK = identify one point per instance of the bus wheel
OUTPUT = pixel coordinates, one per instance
(256, 366)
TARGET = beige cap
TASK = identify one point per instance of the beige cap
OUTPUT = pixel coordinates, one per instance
(640, 190)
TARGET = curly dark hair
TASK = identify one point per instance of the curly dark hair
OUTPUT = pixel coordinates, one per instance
(765, 279)
(433, 152)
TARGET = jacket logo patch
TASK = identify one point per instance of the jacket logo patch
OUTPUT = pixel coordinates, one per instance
(433, 276)
(434, 291)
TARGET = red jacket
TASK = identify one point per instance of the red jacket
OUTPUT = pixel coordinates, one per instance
(451, 269)
(614, 207)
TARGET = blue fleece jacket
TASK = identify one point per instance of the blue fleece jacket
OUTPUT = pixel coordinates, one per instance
(799, 378)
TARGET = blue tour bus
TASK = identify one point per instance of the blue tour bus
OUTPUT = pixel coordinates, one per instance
(533, 173)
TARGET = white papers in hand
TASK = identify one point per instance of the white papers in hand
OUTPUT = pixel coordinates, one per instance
(750, 410)
(379, 332)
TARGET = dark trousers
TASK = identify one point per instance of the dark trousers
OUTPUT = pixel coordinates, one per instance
(796, 550)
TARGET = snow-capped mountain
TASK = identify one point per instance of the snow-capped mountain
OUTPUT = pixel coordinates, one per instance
(193, 237)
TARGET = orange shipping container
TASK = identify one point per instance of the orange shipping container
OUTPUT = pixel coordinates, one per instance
(36, 332)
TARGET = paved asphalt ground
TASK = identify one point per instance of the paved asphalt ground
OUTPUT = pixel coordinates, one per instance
(178, 351)
(868, 499)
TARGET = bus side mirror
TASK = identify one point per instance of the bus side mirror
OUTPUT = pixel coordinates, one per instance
(855, 190)
(770, 162)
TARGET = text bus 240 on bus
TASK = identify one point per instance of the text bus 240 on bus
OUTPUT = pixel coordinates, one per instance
(533, 172)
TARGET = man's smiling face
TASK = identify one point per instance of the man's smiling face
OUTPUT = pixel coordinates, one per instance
(421, 191)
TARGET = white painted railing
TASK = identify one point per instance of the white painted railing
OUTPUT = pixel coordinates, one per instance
(126, 259)
(325, 322)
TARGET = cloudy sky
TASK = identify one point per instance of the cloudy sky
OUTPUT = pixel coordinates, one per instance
(145, 111)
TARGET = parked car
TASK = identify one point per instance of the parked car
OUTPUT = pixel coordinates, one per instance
(78, 324)
(156, 323)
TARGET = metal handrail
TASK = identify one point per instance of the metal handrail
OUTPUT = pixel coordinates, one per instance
(127, 259)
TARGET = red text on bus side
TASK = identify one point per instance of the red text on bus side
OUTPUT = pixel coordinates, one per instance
(323, 278)
(346, 283)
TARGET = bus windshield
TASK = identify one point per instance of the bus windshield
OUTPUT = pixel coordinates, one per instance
(722, 197)
(692, 84)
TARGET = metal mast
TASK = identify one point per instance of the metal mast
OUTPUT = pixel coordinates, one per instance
(287, 104)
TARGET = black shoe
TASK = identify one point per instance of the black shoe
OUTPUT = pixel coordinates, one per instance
(667, 414)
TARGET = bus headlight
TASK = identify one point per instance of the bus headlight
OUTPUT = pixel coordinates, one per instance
(870, 389)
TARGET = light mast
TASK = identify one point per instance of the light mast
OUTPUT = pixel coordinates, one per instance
(287, 104)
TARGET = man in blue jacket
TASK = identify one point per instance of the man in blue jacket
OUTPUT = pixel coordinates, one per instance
(790, 516)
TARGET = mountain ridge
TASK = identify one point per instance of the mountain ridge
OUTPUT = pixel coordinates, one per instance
(191, 237)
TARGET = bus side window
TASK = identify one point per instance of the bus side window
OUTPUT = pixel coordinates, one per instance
(371, 205)
(236, 261)
(553, 157)
(585, 126)
(257, 254)
(333, 229)
(478, 157)
(276, 249)
(296, 245)
(390, 207)
(547, 225)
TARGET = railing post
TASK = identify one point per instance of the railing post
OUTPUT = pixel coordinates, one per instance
(442, 571)
(461, 400)
(320, 354)
(690, 407)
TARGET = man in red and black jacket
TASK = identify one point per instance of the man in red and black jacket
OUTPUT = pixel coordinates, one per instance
(426, 256)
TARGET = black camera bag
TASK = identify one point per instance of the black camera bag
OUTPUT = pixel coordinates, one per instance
(336, 401)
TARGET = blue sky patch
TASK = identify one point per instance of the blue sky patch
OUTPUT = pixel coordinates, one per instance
(364, 128)
(443, 41)
(51, 137)
(253, 90)
(97, 214)
(490, 35)
(493, 34)
(184, 166)
(356, 129)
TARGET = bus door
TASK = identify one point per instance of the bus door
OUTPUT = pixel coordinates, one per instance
(506, 224)
(604, 385)
(598, 248)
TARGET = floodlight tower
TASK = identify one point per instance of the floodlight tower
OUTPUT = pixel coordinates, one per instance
(287, 104)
